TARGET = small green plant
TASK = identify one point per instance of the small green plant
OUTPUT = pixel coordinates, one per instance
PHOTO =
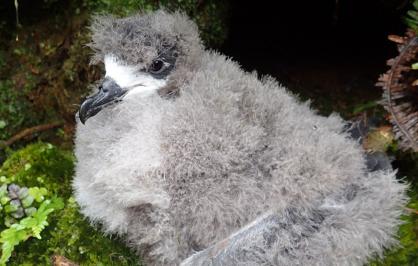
(363, 107)
(23, 213)
(30, 226)
(412, 16)
(47, 171)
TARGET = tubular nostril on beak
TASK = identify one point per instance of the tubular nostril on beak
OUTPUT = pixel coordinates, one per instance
(103, 89)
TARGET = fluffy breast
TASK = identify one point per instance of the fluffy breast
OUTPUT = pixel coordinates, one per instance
(235, 147)
(118, 158)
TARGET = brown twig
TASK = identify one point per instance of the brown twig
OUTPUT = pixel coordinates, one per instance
(411, 210)
(29, 131)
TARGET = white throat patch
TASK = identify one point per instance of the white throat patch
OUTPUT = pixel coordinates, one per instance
(128, 77)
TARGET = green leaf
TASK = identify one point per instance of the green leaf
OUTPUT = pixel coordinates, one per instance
(27, 166)
(6, 251)
(365, 106)
(3, 124)
(30, 211)
(10, 208)
(3, 190)
(4, 200)
(31, 226)
(43, 191)
(28, 222)
(415, 66)
(413, 14)
(411, 23)
(9, 221)
(23, 193)
(27, 201)
(415, 4)
(57, 203)
(38, 193)
(10, 238)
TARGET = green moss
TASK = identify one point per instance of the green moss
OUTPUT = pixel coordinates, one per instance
(407, 252)
(68, 233)
(41, 164)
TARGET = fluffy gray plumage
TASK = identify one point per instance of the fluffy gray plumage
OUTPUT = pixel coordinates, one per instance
(232, 171)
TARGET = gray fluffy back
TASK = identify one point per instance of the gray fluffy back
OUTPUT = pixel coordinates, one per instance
(176, 177)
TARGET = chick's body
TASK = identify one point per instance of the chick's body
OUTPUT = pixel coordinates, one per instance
(180, 175)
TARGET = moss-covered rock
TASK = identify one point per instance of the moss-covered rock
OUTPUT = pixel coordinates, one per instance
(41, 164)
(68, 233)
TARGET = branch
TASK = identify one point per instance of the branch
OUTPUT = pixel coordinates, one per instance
(411, 210)
(29, 131)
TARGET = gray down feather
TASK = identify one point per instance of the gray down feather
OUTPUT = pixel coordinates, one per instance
(233, 171)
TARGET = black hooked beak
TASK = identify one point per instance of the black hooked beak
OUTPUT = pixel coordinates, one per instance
(109, 92)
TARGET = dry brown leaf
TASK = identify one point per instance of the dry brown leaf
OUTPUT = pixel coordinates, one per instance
(58, 260)
(379, 139)
(396, 38)
(399, 92)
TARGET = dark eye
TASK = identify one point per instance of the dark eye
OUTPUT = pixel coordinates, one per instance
(157, 66)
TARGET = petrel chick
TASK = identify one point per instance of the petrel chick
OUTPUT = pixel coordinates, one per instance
(196, 162)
